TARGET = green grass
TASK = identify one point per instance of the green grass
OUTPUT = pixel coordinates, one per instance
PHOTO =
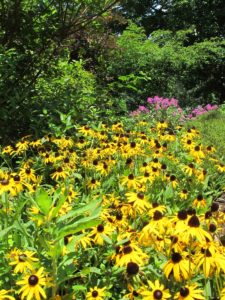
(212, 128)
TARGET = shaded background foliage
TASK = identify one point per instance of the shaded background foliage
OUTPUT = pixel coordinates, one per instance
(66, 61)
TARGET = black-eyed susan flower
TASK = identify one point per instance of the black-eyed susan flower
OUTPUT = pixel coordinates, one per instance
(7, 186)
(157, 225)
(59, 173)
(179, 266)
(22, 146)
(28, 174)
(4, 295)
(97, 234)
(199, 201)
(193, 230)
(189, 292)
(189, 169)
(8, 150)
(131, 181)
(130, 252)
(155, 291)
(93, 184)
(201, 174)
(22, 260)
(138, 201)
(197, 153)
(133, 293)
(183, 194)
(96, 293)
(32, 285)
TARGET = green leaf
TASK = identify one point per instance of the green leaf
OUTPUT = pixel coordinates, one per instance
(3, 232)
(89, 270)
(86, 208)
(43, 201)
(78, 226)
(79, 287)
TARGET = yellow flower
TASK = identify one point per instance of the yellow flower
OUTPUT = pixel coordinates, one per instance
(93, 184)
(96, 294)
(199, 201)
(193, 230)
(59, 174)
(22, 260)
(22, 146)
(130, 253)
(132, 293)
(4, 296)
(183, 194)
(138, 201)
(178, 266)
(189, 292)
(98, 233)
(32, 285)
(157, 291)
(189, 169)
(131, 181)
(197, 153)
(28, 174)
(8, 150)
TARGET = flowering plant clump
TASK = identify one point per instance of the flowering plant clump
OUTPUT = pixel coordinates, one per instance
(200, 110)
(158, 105)
(115, 211)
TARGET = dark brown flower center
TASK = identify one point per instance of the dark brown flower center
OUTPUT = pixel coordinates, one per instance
(94, 294)
(182, 215)
(199, 197)
(140, 196)
(157, 215)
(5, 182)
(100, 228)
(176, 257)
(132, 268)
(172, 178)
(16, 178)
(184, 292)
(127, 249)
(194, 221)
(33, 280)
(131, 177)
(212, 227)
(28, 171)
(157, 294)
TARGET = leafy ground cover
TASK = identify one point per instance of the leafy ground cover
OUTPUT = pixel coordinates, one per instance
(120, 211)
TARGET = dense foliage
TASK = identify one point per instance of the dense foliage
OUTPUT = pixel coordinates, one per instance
(80, 60)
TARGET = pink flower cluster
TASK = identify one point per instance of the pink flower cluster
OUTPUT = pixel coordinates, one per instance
(141, 109)
(200, 110)
(159, 103)
(162, 103)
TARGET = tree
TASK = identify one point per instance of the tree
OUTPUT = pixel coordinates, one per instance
(33, 34)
